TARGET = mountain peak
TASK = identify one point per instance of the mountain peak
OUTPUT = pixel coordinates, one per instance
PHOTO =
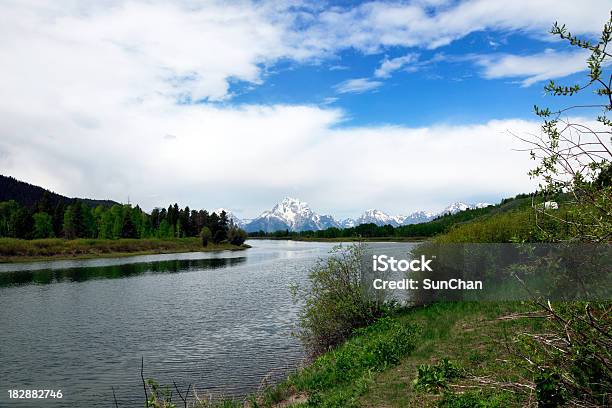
(291, 214)
(295, 215)
(230, 216)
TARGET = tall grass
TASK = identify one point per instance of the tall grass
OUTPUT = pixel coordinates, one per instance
(12, 249)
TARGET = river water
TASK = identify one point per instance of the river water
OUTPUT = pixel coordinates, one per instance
(222, 321)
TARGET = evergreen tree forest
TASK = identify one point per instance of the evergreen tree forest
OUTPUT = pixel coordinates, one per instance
(76, 219)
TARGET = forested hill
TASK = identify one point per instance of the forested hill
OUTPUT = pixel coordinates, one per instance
(30, 195)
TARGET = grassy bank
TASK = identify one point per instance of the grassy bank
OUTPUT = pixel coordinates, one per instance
(19, 250)
(379, 367)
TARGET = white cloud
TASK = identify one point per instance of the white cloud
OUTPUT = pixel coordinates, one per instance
(388, 66)
(357, 85)
(89, 93)
(250, 156)
(132, 51)
(372, 26)
(533, 68)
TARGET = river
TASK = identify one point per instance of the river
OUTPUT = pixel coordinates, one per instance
(219, 320)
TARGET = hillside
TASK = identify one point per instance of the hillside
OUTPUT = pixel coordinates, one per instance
(28, 194)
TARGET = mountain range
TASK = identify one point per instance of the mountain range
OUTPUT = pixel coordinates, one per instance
(289, 214)
(295, 215)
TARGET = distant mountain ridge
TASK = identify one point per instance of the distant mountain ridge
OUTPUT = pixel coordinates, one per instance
(28, 194)
(295, 215)
(289, 214)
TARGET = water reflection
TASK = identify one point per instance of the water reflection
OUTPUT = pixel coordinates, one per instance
(47, 276)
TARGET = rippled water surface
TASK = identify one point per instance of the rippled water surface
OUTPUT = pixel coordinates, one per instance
(219, 320)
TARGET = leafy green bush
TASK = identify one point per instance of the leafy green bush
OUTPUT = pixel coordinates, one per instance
(337, 302)
(434, 377)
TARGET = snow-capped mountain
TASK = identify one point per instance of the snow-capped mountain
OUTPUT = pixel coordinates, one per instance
(481, 205)
(347, 223)
(291, 214)
(418, 217)
(295, 215)
(456, 207)
(379, 218)
(230, 216)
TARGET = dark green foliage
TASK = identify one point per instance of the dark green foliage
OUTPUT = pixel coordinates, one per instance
(435, 377)
(128, 229)
(218, 236)
(22, 223)
(236, 236)
(205, 235)
(33, 197)
(550, 390)
(74, 219)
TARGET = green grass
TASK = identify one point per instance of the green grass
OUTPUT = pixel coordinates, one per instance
(379, 365)
(19, 250)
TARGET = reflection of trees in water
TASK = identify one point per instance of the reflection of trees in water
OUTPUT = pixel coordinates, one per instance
(45, 276)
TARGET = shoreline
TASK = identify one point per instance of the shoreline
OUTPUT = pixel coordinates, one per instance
(345, 239)
(23, 251)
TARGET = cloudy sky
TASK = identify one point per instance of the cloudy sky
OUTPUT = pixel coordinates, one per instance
(398, 106)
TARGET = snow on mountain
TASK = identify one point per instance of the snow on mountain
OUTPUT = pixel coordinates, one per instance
(295, 215)
(379, 218)
(481, 205)
(291, 214)
(418, 217)
(454, 208)
(348, 223)
(230, 216)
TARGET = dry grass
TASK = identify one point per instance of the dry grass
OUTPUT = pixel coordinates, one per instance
(17, 250)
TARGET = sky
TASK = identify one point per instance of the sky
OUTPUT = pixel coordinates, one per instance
(399, 106)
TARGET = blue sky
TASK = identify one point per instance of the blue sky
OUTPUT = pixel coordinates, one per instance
(395, 105)
(441, 85)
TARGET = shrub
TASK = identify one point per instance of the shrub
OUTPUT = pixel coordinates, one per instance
(236, 236)
(336, 303)
(434, 377)
(218, 236)
(205, 235)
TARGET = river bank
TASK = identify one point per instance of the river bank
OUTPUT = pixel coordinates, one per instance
(19, 250)
(427, 356)
(345, 239)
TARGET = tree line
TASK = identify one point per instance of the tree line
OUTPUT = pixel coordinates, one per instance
(50, 218)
